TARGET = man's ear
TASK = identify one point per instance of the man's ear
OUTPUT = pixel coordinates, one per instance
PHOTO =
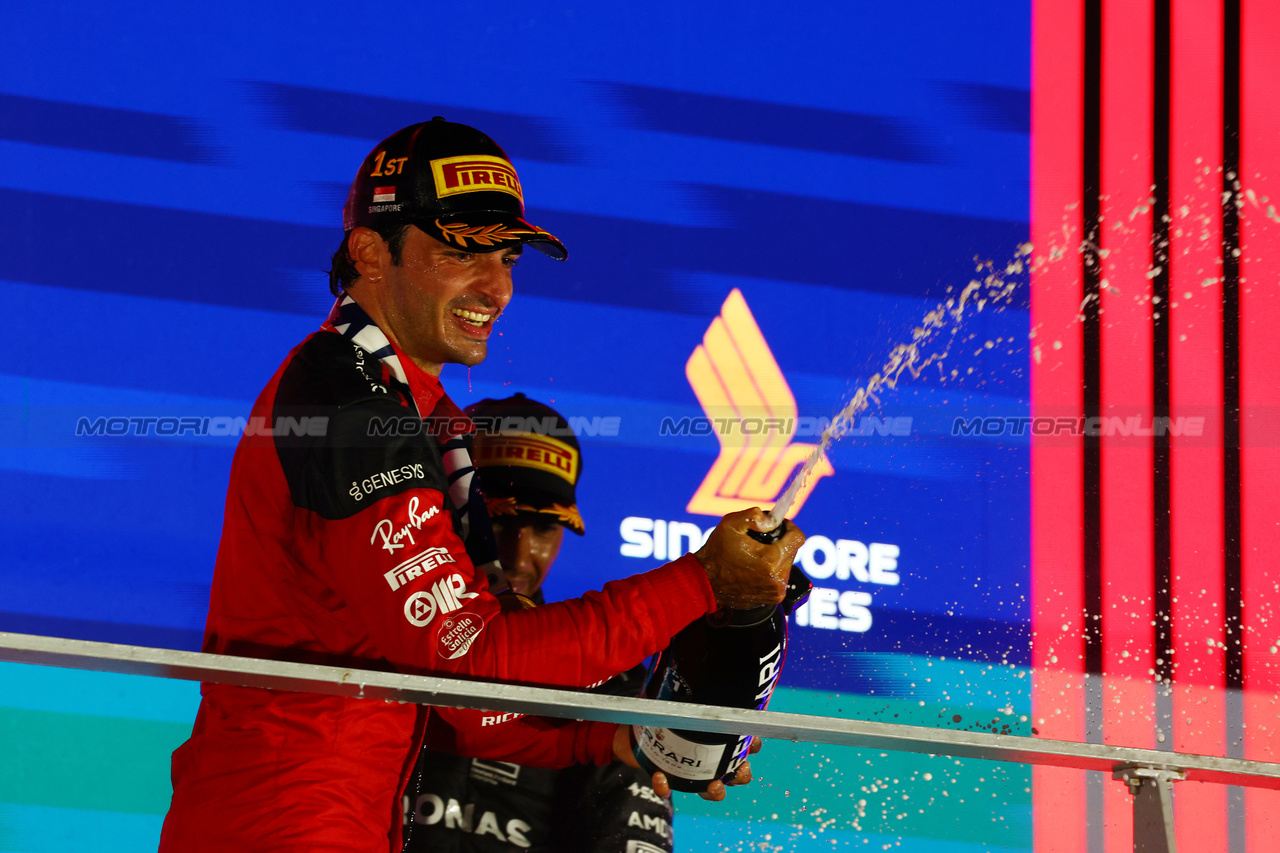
(369, 253)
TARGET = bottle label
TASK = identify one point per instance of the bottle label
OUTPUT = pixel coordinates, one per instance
(674, 754)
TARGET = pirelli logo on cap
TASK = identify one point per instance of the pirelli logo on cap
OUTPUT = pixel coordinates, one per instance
(527, 450)
(473, 173)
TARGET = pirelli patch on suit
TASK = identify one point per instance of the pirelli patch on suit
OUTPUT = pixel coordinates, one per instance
(473, 173)
(417, 566)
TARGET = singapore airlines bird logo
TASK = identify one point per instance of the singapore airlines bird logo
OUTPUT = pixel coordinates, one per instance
(744, 394)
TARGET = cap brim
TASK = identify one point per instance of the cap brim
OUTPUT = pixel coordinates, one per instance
(570, 519)
(566, 516)
(490, 231)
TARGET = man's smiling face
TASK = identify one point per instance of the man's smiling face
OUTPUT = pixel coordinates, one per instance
(439, 303)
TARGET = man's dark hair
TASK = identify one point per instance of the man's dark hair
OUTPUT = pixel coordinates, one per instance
(342, 270)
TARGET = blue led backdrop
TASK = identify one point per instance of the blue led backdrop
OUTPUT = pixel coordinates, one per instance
(171, 184)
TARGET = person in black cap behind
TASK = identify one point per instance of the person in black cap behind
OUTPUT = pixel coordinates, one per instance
(528, 462)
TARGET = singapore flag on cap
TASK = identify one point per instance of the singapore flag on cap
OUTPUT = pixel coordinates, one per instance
(381, 194)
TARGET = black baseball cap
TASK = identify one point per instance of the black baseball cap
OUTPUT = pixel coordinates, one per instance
(527, 458)
(450, 180)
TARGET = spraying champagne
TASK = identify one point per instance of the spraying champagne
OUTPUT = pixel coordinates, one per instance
(910, 358)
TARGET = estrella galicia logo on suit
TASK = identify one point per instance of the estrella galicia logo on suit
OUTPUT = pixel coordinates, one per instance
(742, 391)
(457, 633)
(445, 596)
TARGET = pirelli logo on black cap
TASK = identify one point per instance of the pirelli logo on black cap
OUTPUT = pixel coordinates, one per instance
(472, 173)
(527, 450)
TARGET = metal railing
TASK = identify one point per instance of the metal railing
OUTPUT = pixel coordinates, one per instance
(1148, 773)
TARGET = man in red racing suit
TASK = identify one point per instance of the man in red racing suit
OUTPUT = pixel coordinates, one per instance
(343, 544)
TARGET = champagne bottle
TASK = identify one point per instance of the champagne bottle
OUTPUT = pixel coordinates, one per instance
(730, 658)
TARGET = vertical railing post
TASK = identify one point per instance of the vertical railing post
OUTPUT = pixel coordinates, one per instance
(1152, 791)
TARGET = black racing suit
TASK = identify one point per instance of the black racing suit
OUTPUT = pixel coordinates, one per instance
(470, 805)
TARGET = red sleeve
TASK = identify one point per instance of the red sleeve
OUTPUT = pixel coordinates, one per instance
(406, 577)
(429, 611)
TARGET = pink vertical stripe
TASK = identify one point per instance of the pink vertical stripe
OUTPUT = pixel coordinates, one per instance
(1125, 348)
(1127, 558)
(1260, 403)
(1056, 487)
(1195, 368)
